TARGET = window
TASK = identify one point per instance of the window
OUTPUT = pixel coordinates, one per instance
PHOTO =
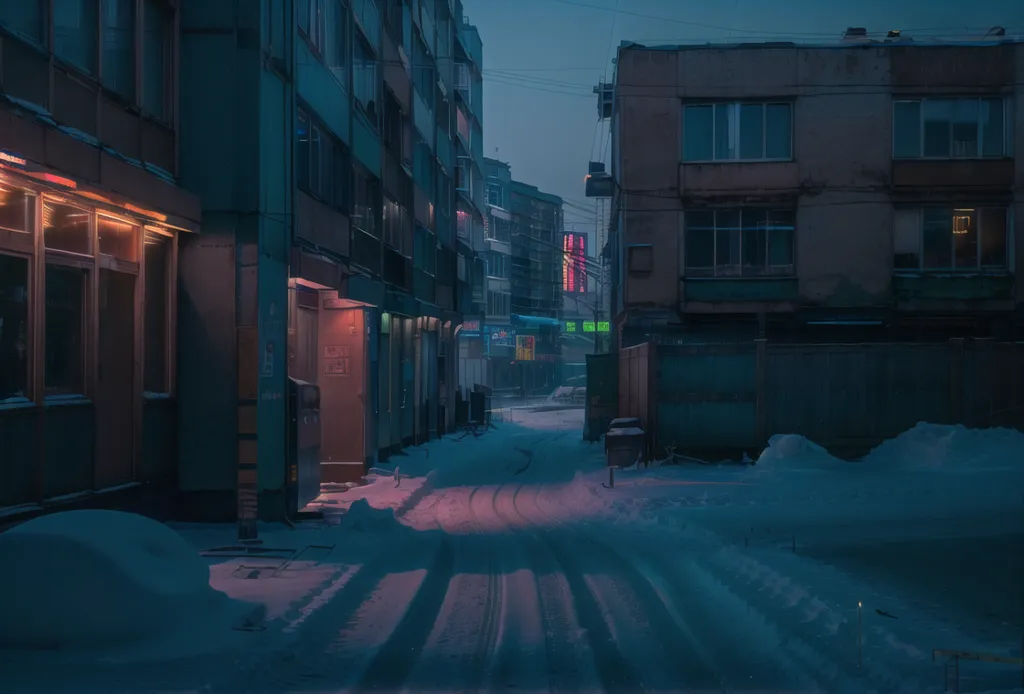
(366, 201)
(157, 298)
(950, 128)
(497, 265)
(13, 328)
(117, 238)
(737, 132)
(494, 194)
(336, 49)
(156, 58)
(392, 224)
(66, 228)
(311, 22)
(750, 242)
(425, 253)
(365, 85)
(26, 18)
(75, 24)
(463, 176)
(320, 162)
(394, 125)
(498, 229)
(498, 303)
(118, 66)
(17, 209)
(945, 239)
(65, 330)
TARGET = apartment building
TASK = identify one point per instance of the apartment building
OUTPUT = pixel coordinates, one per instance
(321, 135)
(860, 191)
(91, 218)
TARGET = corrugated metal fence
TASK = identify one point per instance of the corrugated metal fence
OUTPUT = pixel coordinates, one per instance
(846, 397)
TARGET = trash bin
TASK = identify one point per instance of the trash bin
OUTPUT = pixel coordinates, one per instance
(624, 446)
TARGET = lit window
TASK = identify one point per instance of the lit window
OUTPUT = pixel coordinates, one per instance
(948, 239)
(66, 228)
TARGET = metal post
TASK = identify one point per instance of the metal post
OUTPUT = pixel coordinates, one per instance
(611, 477)
(860, 635)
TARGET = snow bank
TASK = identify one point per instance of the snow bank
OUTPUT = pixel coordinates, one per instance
(361, 517)
(934, 446)
(94, 579)
(794, 452)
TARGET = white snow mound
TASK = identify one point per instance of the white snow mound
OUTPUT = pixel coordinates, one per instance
(92, 579)
(795, 452)
(933, 446)
(361, 517)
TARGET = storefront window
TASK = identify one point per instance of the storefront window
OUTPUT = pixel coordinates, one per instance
(66, 228)
(157, 265)
(13, 328)
(65, 330)
(116, 238)
(17, 209)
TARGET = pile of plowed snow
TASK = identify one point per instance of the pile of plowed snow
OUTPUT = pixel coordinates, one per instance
(90, 580)
(795, 452)
(361, 517)
(933, 446)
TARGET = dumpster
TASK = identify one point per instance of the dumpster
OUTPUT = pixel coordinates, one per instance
(625, 446)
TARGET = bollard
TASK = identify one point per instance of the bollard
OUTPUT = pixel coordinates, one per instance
(611, 478)
(860, 635)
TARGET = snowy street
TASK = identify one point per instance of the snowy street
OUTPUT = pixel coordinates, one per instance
(514, 567)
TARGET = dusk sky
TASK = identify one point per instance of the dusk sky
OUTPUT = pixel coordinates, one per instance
(542, 59)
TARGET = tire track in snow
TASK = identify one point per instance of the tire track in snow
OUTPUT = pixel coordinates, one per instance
(615, 672)
(538, 635)
(468, 615)
(392, 664)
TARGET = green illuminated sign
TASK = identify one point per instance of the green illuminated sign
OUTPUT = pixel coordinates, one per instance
(604, 326)
(588, 326)
(569, 326)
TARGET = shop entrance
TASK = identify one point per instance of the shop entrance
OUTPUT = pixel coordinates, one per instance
(115, 382)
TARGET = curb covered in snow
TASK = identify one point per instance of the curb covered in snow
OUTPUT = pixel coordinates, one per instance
(417, 496)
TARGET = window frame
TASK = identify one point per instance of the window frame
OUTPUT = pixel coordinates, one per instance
(28, 395)
(314, 31)
(1006, 268)
(712, 271)
(735, 125)
(1007, 114)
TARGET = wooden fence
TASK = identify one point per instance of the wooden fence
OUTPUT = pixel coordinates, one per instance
(723, 399)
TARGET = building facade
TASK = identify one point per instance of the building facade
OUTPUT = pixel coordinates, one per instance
(860, 191)
(91, 219)
(321, 136)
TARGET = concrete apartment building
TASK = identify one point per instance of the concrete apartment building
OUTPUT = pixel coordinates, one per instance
(324, 138)
(91, 219)
(868, 190)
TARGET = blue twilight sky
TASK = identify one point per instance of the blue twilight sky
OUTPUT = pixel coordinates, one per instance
(543, 57)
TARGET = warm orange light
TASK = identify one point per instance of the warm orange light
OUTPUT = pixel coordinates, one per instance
(11, 159)
(52, 178)
(149, 213)
(96, 196)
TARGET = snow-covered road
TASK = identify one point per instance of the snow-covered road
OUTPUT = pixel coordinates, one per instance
(492, 590)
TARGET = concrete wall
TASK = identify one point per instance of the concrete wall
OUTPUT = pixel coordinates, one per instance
(841, 176)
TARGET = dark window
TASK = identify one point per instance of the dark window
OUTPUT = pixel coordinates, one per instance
(337, 48)
(311, 22)
(746, 242)
(156, 297)
(117, 238)
(17, 209)
(321, 162)
(65, 330)
(365, 81)
(156, 58)
(737, 131)
(75, 25)
(342, 178)
(66, 228)
(26, 18)
(302, 156)
(13, 327)
(366, 202)
(641, 259)
(965, 128)
(119, 47)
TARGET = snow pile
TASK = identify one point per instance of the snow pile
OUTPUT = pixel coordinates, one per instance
(361, 517)
(94, 579)
(794, 452)
(934, 446)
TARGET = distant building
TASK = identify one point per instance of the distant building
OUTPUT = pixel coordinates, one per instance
(847, 192)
